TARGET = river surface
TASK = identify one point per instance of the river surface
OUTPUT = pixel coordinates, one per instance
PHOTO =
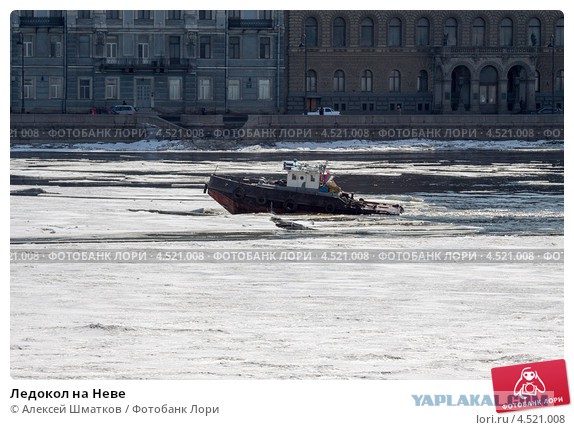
(325, 318)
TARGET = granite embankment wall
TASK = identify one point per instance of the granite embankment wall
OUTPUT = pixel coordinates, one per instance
(68, 128)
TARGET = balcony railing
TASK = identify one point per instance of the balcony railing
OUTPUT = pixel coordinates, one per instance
(250, 23)
(44, 21)
(145, 62)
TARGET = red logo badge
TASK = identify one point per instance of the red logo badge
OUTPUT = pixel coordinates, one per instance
(530, 385)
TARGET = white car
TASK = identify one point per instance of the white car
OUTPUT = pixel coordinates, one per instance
(124, 110)
(325, 111)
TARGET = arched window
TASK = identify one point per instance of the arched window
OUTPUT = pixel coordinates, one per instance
(339, 33)
(367, 33)
(534, 32)
(488, 84)
(367, 81)
(395, 31)
(339, 81)
(537, 81)
(559, 33)
(506, 29)
(395, 81)
(478, 27)
(311, 81)
(423, 81)
(422, 32)
(450, 32)
(311, 32)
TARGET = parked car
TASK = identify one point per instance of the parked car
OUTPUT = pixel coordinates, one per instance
(548, 110)
(101, 111)
(124, 110)
(325, 111)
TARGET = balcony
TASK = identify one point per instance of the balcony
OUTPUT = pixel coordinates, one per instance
(115, 63)
(250, 23)
(26, 21)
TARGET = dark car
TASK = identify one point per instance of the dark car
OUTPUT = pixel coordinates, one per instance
(101, 111)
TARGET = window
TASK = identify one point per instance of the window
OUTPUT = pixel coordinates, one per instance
(537, 81)
(143, 53)
(422, 32)
(395, 81)
(205, 47)
(339, 81)
(111, 50)
(29, 88)
(311, 79)
(423, 81)
(265, 47)
(55, 46)
(367, 33)
(367, 81)
(534, 32)
(56, 88)
(264, 89)
(506, 28)
(559, 33)
(112, 88)
(478, 27)
(395, 31)
(204, 89)
(84, 14)
(28, 46)
(174, 49)
(450, 32)
(206, 15)
(488, 84)
(113, 14)
(234, 89)
(144, 14)
(174, 14)
(235, 14)
(174, 87)
(265, 14)
(84, 45)
(339, 33)
(84, 88)
(559, 81)
(311, 39)
(234, 47)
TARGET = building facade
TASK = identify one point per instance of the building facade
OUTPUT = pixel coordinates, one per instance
(358, 62)
(161, 61)
(378, 62)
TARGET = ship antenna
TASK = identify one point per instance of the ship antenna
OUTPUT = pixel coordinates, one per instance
(215, 171)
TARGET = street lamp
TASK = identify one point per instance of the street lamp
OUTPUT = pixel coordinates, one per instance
(303, 45)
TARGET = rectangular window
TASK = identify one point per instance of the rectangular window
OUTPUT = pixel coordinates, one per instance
(84, 45)
(113, 14)
(84, 88)
(265, 47)
(206, 15)
(204, 89)
(174, 50)
(28, 46)
(112, 51)
(29, 88)
(84, 14)
(144, 14)
(55, 46)
(174, 85)
(205, 47)
(56, 90)
(234, 47)
(143, 53)
(265, 14)
(487, 94)
(234, 89)
(112, 88)
(264, 89)
(174, 14)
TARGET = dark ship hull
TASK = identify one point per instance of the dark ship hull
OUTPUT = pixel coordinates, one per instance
(245, 195)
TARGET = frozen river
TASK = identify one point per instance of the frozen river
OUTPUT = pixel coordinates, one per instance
(343, 314)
